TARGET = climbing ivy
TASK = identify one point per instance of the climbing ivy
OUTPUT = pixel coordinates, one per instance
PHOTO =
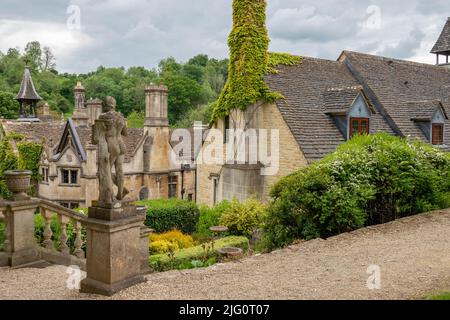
(277, 59)
(29, 155)
(249, 60)
(8, 161)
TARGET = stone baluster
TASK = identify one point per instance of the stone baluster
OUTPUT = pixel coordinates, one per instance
(63, 247)
(48, 233)
(78, 252)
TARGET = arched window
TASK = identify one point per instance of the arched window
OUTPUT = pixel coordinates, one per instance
(143, 194)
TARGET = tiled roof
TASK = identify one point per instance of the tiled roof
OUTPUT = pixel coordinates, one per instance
(338, 100)
(443, 43)
(51, 132)
(47, 132)
(304, 87)
(403, 87)
(27, 90)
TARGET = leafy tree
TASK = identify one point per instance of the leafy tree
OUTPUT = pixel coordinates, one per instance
(33, 53)
(9, 107)
(47, 60)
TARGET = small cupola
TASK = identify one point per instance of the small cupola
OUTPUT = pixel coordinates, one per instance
(27, 97)
(442, 46)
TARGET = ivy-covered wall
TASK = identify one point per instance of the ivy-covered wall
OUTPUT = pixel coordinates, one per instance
(250, 60)
(27, 158)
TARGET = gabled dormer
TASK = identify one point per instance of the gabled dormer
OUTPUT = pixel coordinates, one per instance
(430, 117)
(70, 140)
(350, 109)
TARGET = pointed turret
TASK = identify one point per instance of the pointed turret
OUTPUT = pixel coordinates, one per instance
(27, 95)
(442, 46)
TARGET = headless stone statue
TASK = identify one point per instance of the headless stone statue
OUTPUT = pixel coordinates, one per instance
(107, 134)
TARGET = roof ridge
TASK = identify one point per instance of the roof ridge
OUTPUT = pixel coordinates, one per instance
(414, 63)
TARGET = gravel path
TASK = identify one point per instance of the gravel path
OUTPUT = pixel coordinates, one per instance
(413, 255)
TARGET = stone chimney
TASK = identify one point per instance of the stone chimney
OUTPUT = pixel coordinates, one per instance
(93, 110)
(156, 104)
(79, 116)
(157, 127)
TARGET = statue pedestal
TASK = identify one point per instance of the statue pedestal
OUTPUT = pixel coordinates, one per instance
(113, 255)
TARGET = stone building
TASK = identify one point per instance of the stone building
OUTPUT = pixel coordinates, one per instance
(68, 163)
(327, 102)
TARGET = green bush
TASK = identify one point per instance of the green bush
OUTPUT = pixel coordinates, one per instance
(189, 256)
(244, 218)
(210, 217)
(165, 215)
(368, 180)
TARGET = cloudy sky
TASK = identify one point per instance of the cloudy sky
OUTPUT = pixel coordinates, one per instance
(141, 32)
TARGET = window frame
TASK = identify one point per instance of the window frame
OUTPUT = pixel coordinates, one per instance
(70, 172)
(45, 174)
(359, 129)
(226, 127)
(441, 136)
(172, 183)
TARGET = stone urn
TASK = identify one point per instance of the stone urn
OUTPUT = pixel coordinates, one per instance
(18, 183)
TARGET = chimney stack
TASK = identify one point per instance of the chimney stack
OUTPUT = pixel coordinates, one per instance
(156, 105)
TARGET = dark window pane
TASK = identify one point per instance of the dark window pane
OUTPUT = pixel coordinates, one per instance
(73, 176)
(65, 176)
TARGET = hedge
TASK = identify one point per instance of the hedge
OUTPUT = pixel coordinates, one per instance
(369, 180)
(162, 262)
(164, 215)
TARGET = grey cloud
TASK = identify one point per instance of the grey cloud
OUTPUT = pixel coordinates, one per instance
(141, 32)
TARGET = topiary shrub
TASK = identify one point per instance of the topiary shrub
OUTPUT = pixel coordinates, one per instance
(369, 180)
(210, 217)
(164, 215)
(243, 218)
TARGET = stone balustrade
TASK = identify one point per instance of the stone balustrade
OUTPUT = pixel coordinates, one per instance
(61, 253)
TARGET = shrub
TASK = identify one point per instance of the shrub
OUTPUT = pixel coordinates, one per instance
(210, 217)
(244, 218)
(191, 256)
(165, 215)
(368, 180)
(162, 246)
(172, 240)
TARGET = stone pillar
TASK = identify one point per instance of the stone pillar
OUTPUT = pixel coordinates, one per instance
(20, 243)
(113, 250)
(145, 233)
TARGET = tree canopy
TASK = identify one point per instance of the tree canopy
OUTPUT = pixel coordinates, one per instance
(193, 85)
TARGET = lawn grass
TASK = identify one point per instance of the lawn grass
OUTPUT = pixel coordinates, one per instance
(442, 296)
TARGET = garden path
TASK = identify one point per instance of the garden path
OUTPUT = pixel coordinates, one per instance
(413, 255)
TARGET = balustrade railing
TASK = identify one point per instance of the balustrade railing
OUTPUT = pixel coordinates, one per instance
(66, 219)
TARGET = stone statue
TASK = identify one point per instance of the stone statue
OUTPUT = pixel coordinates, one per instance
(107, 134)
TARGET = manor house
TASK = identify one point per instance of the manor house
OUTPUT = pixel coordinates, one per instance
(68, 165)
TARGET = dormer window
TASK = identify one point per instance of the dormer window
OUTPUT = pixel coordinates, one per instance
(437, 134)
(359, 126)
(437, 128)
(359, 118)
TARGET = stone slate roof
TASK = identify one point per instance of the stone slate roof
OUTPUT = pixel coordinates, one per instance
(443, 43)
(27, 90)
(338, 100)
(304, 87)
(398, 87)
(47, 132)
(50, 133)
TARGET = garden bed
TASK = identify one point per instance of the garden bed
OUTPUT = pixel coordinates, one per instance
(198, 256)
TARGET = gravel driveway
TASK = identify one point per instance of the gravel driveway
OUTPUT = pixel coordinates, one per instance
(413, 255)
